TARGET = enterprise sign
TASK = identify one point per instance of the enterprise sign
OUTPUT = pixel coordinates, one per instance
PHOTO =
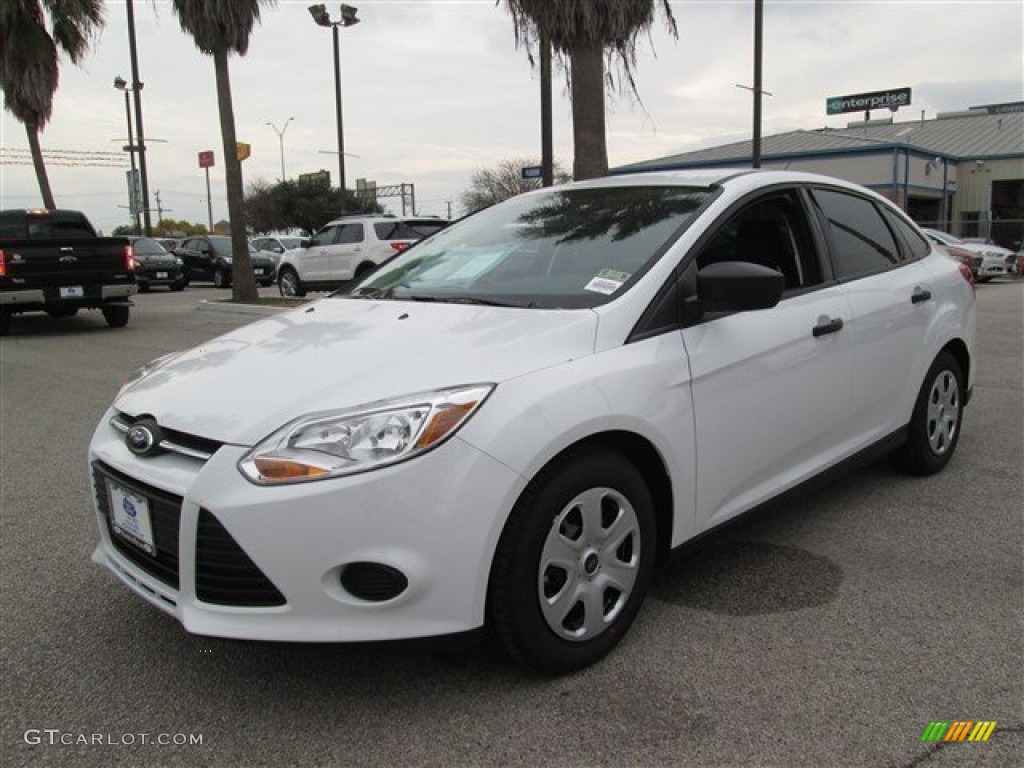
(864, 102)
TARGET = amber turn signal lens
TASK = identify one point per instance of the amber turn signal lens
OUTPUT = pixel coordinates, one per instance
(283, 469)
(443, 422)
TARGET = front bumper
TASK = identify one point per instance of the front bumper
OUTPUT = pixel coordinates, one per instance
(159, 274)
(435, 518)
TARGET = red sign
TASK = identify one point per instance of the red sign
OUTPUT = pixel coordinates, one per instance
(206, 159)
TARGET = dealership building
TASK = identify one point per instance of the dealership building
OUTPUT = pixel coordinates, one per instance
(960, 171)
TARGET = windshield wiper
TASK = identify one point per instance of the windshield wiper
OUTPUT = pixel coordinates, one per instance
(476, 300)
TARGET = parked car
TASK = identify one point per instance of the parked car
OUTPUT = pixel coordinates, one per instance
(272, 246)
(969, 259)
(209, 257)
(996, 261)
(509, 424)
(155, 266)
(347, 248)
(53, 261)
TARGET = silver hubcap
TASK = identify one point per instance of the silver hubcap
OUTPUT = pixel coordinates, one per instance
(287, 284)
(943, 412)
(589, 564)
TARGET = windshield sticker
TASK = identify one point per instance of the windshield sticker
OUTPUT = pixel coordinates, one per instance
(607, 281)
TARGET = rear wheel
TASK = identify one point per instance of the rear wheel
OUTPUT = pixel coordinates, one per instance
(5, 323)
(938, 415)
(574, 562)
(289, 284)
(143, 287)
(179, 285)
(116, 316)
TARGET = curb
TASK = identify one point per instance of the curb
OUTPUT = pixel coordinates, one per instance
(205, 305)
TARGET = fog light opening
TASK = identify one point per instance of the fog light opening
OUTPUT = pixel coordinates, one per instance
(373, 582)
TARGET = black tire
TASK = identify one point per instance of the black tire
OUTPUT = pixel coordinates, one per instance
(560, 634)
(289, 284)
(179, 285)
(935, 426)
(116, 316)
(143, 287)
(221, 279)
(62, 311)
(5, 323)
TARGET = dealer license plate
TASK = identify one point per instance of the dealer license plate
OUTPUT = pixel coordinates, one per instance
(72, 292)
(161, 275)
(129, 518)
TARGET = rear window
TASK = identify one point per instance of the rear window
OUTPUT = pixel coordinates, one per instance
(407, 230)
(147, 246)
(45, 226)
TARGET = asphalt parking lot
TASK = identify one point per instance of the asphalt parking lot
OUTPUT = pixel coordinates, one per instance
(829, 630)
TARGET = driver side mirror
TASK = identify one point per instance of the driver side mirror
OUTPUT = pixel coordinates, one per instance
(738, 286)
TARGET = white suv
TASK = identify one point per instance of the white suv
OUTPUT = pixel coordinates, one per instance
(349, 247)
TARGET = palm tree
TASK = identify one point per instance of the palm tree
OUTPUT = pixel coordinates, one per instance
(29, 71)
(219, 28)
(583, 31)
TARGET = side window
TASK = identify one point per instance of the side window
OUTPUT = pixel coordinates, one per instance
(325, 236)
(351, 233)
(259, 244)
(772, 232)
(860, 241)
(917, 246)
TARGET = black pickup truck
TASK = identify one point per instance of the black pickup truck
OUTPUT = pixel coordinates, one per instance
(53, 261)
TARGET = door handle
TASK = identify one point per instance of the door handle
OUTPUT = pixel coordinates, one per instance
(827, 325)
(920, 294)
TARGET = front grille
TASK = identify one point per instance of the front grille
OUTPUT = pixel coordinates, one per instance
(177, 442)
(165, 517)
(225, 575)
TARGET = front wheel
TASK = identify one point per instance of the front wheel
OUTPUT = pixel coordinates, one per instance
(289, 284)
(574, 562)
(116, 316)
(221, 279)
(934, 428)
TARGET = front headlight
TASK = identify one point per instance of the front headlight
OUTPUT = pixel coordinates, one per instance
(335, 443)
(178, 261)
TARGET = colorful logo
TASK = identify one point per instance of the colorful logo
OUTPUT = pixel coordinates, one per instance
(958, 730)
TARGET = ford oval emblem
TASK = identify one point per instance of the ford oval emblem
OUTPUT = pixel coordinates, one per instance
(143, 439)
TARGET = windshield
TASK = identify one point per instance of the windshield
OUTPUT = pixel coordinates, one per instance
(566, 248)
(290, 242)
(145, 246)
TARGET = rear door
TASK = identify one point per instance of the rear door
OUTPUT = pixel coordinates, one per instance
(771, 388)
(889, 290)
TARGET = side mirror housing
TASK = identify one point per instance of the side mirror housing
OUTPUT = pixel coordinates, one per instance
(738, 286)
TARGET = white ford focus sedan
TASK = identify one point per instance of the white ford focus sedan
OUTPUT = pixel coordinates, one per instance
(509, 424)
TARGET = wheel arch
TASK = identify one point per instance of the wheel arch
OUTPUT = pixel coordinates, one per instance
(958, 349)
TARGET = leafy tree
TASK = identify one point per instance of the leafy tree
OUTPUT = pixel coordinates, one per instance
(178, 228)
(492, 185)
(29, 68)
(219, 28)
(586, 32)
(304, 204)
(123, 229)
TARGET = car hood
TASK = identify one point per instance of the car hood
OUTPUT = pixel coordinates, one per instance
(341, 353)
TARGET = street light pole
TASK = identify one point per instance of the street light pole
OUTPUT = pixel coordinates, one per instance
(323, 19)
(337, 105)
(137, 89)
(133, 192)
(280, 139)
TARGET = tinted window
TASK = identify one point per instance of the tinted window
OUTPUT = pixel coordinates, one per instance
(407, 230)
(351, 233)
(860, 241)
(917, 245)
(63, 226)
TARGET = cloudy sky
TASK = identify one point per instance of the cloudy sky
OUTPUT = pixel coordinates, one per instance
(434, 89)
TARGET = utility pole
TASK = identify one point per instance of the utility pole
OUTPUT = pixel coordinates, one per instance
(159, 208)
(449, 204)
(758, 47)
